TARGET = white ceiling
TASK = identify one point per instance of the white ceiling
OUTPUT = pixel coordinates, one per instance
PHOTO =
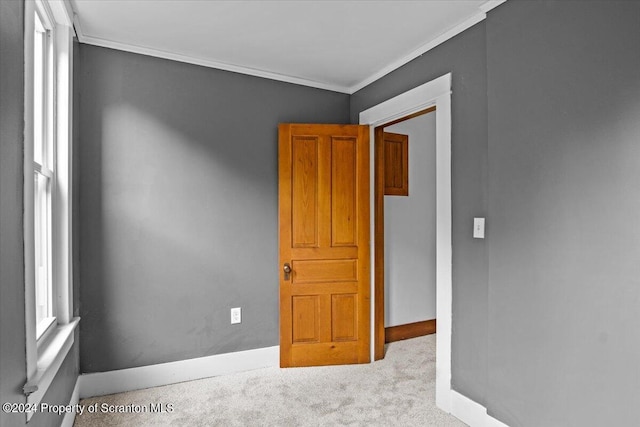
(336, 45)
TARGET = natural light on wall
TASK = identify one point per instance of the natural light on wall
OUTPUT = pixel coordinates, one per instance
(47, 192)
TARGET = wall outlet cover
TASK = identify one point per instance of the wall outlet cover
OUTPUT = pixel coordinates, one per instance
(236, 315)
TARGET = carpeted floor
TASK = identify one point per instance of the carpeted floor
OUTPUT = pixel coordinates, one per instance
(396, 391)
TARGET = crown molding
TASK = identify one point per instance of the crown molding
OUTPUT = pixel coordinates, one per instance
(83, 38)
(491, 4)
(419, 51)
(480, 16)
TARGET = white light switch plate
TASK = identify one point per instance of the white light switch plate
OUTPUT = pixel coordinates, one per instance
(478, 228)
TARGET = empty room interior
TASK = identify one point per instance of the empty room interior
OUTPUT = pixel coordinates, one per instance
(207, 189)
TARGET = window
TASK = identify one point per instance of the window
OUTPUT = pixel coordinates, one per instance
(47, 192)
(44, 177)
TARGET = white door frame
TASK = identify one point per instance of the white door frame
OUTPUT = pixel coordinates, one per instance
(434, 93)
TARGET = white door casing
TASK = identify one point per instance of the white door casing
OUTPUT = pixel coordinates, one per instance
(434, 93)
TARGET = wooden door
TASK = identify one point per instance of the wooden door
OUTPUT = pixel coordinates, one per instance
(324, 244)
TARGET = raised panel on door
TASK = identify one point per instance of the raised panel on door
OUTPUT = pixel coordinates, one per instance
(305, 310)
(304, 182)
(325, 271)
(344, 317)
(344, 171)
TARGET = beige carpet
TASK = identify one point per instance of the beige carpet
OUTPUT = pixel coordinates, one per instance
(397, 391)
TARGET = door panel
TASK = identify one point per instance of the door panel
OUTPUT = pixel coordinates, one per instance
(344, 317)
(324, 239)
(343, 191)
(306, 311)
(305, 192)
(325, 271)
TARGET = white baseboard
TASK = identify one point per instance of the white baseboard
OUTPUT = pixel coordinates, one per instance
(70, 417)
(103, 383)
(472, 413)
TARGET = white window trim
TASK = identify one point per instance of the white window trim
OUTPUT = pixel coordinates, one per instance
(47, 163)
(45, 356)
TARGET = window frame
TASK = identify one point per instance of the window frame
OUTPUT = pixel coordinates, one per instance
(45, 167)
(46, 350)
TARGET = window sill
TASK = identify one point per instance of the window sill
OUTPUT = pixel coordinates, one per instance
(50, 358)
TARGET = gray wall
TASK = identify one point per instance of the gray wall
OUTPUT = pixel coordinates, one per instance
(564, 162)
(465, 57)
(410, 231)
(549, 337)
(12, 327)
(12, 316)
(178, 206)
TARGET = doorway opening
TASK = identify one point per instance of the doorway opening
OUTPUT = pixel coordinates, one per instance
(436, 93)
(406, 225)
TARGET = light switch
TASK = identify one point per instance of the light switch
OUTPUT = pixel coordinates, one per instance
(478, 228)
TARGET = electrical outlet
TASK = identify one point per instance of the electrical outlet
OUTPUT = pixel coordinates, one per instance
(236, 315)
